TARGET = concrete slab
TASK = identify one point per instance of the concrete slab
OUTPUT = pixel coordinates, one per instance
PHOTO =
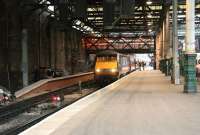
(143, 103)
(52, 84)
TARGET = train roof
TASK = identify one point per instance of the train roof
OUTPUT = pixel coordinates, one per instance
(109, 52)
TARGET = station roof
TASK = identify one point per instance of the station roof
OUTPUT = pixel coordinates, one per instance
(95, 17)
(145, 18)
(142, 17)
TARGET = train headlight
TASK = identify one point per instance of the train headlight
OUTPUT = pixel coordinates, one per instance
(113, 70)
(98, 70)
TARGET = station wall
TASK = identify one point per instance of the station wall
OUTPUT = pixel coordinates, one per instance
(48, 46)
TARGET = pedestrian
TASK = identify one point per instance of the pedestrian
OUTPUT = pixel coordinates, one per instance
(198, 70)
(140, 65)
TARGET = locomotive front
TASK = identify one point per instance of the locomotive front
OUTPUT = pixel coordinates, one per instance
(106, 67)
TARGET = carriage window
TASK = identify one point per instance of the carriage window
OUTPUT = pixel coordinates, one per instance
(124, 61)
(106, 58)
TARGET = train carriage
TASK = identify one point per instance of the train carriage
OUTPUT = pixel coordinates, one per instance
(110, 65)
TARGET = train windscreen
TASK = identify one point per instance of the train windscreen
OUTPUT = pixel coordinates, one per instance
(106, 58)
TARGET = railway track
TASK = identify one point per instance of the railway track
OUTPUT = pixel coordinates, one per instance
(58, 86)
(14, 109)
(21, 127)
(21, 106)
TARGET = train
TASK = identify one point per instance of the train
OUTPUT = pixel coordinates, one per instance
(111, 65)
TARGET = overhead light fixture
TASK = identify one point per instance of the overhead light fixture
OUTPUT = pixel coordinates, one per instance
(88, 29)
(150, 30)
(149, 2)
(80, 26)
(149, 15)
(47, 2)
(85, 27)
(51, 8)
(78, 22)
(150, 23)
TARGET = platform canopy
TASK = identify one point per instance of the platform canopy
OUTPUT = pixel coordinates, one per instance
(113, 18)
(139, 17)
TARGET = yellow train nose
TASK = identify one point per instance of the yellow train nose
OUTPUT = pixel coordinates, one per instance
(112, 70)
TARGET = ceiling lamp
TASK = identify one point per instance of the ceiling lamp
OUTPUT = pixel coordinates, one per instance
(78, 22)
(51, 8)
(88, 29)
(149, 23)
(85, 27)
(149, 2)
(74, 27)
(149, 15)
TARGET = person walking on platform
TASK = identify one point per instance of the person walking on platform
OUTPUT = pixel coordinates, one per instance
(143, 65)
(198, 70)
(140, 66)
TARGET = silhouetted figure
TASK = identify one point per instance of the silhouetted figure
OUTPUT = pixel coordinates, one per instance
(198, 70)
(140, 64)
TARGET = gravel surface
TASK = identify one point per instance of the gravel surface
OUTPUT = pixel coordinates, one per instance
(22, 118)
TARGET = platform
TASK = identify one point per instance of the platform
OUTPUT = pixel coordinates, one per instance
(142, 103)
(52, 84)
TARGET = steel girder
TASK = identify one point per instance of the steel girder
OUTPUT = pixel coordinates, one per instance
(121, 44)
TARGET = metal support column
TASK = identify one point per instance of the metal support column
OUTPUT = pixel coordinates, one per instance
(155, 53)
(163, 39)
(190, 56)
(176, 67)
(25, 57)
(168, 48)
